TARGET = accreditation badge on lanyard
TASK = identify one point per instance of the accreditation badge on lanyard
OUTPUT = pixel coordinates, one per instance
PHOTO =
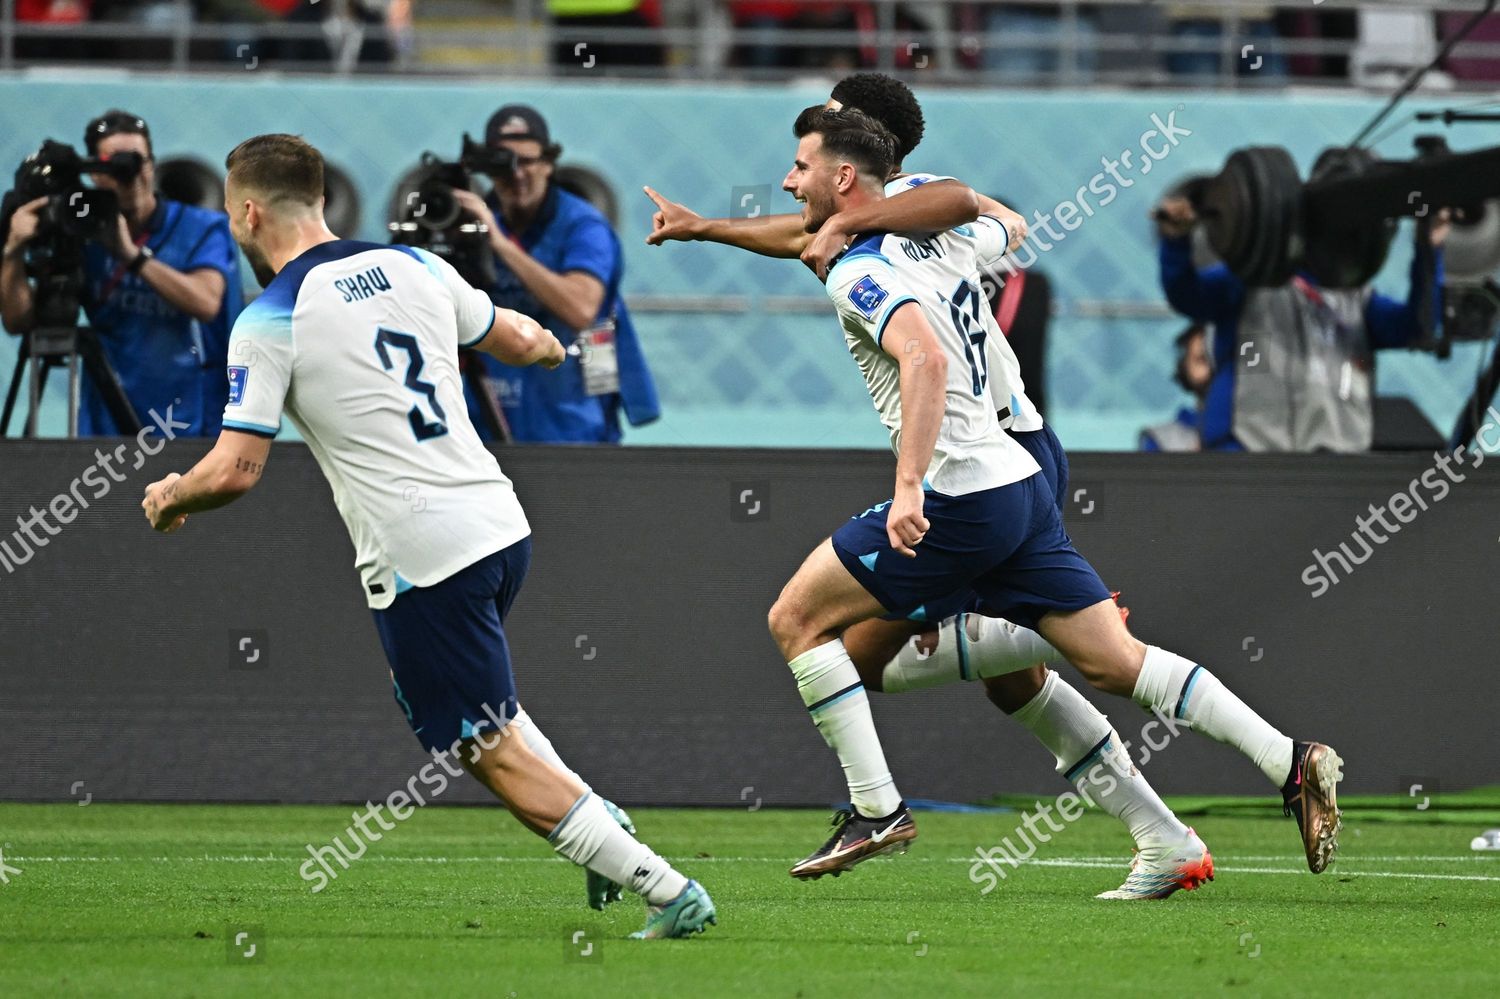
(598, 358)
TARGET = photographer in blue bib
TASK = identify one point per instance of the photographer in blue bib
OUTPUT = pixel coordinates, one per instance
(557, 260)
(160, 286)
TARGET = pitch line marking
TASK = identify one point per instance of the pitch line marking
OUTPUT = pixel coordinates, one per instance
(1067, 862)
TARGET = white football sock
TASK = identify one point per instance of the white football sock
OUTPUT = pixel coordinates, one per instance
(830, 687)
(969, 647)
(539, 744)
(1092, 756)
(590, 837)
(1181, 689)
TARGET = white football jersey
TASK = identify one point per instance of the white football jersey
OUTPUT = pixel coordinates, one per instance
(358, 343)
(880, 274)
(1006, 387)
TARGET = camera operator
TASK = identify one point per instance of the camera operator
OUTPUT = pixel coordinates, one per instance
(1293, 365)
(557, 260)
(161, 287)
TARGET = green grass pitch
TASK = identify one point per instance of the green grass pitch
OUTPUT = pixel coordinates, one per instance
(147, 900)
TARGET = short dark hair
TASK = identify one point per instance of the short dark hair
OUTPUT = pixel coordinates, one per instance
(888, 101)
(851, 135)
(115, 122)
(283, 167)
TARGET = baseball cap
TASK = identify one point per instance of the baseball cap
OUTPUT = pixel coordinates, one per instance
(517, 121)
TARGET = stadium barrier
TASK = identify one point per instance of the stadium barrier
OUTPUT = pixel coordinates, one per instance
(745, 350)
(236, 660)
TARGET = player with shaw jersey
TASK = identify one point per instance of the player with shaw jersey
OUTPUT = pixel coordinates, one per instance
(358, 344)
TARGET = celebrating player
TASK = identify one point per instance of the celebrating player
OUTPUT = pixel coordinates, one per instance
(358, 343)
(986, 523)
(948, 641)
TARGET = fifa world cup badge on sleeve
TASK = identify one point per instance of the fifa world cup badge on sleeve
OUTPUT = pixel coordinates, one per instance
(867, 296)
(238, 376)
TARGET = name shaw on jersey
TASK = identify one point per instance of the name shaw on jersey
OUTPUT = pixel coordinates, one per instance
(363, 285)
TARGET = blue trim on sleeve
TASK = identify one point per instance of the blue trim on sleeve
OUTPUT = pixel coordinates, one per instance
(880, 333)
(257, 429)
(486, 332)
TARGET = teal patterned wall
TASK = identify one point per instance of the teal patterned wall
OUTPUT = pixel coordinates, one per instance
(778, 376)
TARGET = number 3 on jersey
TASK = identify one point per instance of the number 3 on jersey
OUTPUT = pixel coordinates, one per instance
(424, 428)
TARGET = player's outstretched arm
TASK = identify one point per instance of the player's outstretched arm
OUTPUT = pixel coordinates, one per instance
(222, 476)
(520, 341)
(931, 207)
(924, 385)
(769, 235)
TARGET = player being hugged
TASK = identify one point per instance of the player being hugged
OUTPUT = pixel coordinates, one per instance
(358, 344)
(951, 515)
(973, 521)
(956, 637)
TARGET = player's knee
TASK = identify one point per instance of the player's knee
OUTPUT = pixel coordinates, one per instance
(1013, 691)
(786, 621)
(1113, 668)
(497, 752)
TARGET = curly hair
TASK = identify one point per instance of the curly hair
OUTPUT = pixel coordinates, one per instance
(888, 101)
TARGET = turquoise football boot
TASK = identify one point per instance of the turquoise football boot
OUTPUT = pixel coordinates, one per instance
(690, 912)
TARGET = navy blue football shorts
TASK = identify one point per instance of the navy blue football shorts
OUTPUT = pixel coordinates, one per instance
(999, 552)
(1044, 446)
(450, 663)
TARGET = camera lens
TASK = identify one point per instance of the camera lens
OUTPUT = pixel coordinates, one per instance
(435, 206)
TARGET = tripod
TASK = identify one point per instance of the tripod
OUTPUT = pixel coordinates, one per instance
(77, 349)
